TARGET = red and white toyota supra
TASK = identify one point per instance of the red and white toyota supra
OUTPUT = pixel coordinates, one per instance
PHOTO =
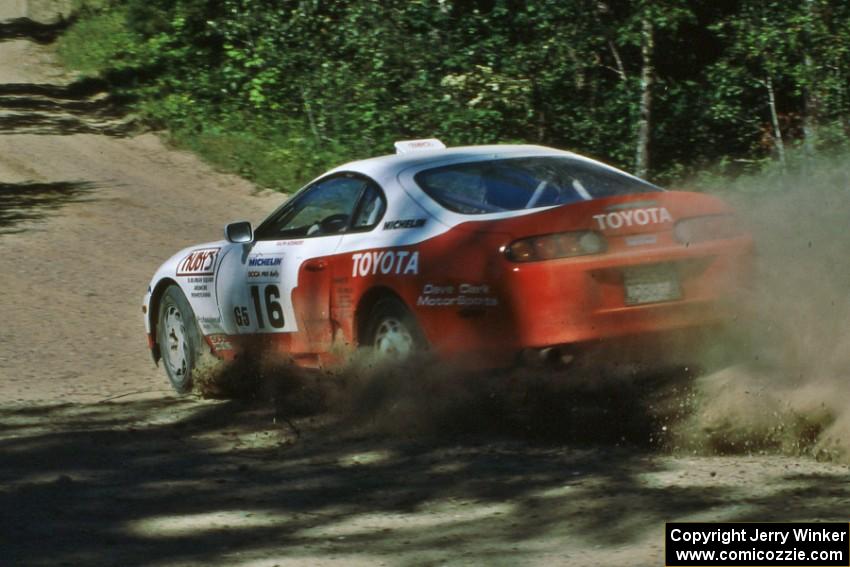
(478, 254)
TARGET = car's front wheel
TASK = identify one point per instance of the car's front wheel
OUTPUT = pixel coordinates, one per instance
(178, 338)
(393, 332)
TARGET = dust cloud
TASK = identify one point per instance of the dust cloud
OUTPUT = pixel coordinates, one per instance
(619, 404)
(789, 390)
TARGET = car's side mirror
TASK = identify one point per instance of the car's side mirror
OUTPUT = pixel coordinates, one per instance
(239, 232)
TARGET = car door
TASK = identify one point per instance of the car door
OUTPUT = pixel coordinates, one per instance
(280, 282)
(362, 234)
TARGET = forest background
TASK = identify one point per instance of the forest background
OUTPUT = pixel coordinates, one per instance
(698, 92)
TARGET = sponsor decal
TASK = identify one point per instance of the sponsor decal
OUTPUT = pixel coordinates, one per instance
(344, 297)
(253, 274)
(258, 268)
(635, 217)
(201, 286)
(405, 223)
(401, 262)
(199, 262)
(240, 314)
(210, 324)
(290, 242)
(264, 262)
(220, 342)
(456, 301)
(464, 295)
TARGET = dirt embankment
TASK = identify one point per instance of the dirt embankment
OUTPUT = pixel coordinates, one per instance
(101, 465)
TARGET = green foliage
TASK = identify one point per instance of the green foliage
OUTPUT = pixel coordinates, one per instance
(278, 90)
(273, 156)
(91, 45)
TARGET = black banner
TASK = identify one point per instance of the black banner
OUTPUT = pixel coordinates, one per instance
(757, 544)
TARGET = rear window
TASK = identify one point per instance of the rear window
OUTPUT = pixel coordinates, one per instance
(481, 187)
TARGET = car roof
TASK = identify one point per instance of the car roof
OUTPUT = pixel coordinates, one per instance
(391, 165)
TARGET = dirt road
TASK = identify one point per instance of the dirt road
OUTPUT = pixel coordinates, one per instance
(101, 465)
(107, 211)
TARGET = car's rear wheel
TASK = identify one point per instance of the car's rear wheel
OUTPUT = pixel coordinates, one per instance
(393, 332)
(178, 338)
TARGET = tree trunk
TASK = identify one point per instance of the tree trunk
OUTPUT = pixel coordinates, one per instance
(621, 70)
(810, 95)
(308, 108)
(810, 113)
(774, 119)
(645, 113)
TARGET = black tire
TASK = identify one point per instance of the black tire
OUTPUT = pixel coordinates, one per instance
(178, 338)
(392, 331)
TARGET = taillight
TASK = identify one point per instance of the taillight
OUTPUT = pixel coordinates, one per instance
(709, 227)
(552, 246)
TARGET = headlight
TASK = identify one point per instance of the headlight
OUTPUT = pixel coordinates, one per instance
(710, 227)
(551, 246)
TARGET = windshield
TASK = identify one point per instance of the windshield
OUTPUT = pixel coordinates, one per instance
(513, 184)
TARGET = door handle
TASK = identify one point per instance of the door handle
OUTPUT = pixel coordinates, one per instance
(315, 265)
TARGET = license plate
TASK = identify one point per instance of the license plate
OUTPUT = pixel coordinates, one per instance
(651, 284)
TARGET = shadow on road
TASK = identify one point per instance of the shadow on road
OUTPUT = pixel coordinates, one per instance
(25, 28)
(78, 90)
(58, 125)
(147, 482)
(32, 201)
(82, 107)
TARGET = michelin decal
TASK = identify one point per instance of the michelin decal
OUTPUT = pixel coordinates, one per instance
(264, 268)
(405, 223)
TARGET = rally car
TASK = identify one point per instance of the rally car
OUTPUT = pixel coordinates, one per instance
(478, 254)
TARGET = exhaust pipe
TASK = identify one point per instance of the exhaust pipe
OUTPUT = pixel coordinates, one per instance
(547, 357)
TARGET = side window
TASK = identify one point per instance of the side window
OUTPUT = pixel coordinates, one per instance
(324, 209)
(370, 210)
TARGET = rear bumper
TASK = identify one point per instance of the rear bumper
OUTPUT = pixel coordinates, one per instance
(577, 300)
(581, 300)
